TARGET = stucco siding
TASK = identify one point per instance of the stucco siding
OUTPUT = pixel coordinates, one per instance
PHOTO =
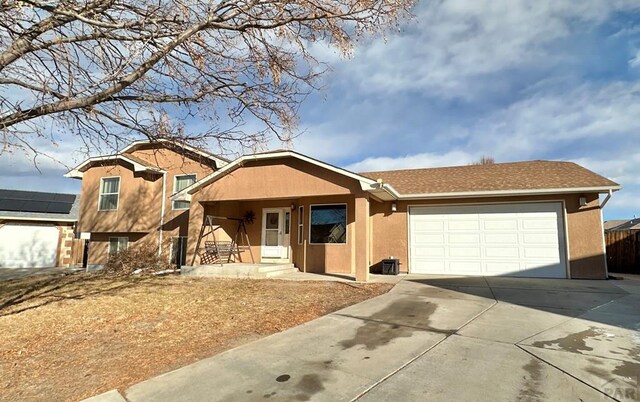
(139, 203)
(583, 227)
(288, 178)
(330, 258)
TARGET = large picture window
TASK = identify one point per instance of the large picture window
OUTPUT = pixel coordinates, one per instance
(109, 190)
(179, 184)
(328, 224)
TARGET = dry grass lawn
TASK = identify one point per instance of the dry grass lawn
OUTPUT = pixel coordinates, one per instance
(74, 336)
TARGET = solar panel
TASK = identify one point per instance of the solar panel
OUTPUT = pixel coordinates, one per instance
(33, 201)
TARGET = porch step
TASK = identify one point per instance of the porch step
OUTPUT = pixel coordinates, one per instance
(239, 270)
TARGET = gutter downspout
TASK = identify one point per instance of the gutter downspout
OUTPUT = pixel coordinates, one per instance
(164, 196)
(604, 202)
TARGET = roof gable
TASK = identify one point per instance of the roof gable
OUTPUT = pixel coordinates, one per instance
(365, 183)
(176, 146)
(139, 164)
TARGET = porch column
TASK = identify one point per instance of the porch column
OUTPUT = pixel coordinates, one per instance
(362, 238)
(196, 218)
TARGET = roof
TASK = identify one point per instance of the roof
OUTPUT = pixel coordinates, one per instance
(500, 179)
(366, 183)
(622, 224)
(139, 165)
(219, 160)
(516, 177)
(33, 205)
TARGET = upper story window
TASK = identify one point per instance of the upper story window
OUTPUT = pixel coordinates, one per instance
(328, 224)
(179, 184)
(109, 190)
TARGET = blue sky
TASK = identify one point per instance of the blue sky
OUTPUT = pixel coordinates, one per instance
(511, 79)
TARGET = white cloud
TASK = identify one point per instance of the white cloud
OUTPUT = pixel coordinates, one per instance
(634, 62)
(453, 44)
(540, 123)
(416, 161)
(322, 141)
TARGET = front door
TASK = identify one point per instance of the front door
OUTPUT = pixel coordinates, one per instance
(275, 233)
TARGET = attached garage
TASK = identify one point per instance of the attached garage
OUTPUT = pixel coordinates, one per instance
(28, 246)
(526, 239)
(37, 229)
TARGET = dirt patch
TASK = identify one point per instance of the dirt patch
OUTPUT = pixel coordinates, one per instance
(71, 337)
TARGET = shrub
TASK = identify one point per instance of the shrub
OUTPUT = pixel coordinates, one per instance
(138, 259)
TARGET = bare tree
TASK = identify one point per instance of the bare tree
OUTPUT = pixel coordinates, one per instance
(485, 160)
(108, 71)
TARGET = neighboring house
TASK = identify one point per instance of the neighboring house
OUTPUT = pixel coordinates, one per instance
(533, 219)
(125, 197)
(622, 224)
(36, 229)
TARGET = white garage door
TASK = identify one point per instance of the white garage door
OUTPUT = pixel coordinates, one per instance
(499, 239)
(28, 246)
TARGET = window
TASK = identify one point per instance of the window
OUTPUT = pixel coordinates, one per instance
(117, 245)
(328, 224)
(109, 190)
(300, 224)
(179, 184)
(179, 250)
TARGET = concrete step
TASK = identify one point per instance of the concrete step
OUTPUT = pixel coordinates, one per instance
(264, 268)
(271, 274)
(239, 270)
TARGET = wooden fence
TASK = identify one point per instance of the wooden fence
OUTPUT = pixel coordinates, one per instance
(77, 252)
(623, 251)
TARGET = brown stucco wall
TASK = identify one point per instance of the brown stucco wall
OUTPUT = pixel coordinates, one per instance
(280, 184)
(286, 182)
(140, 201)
(99, 244)
(583, 229)
(282, 178)
(331, 258)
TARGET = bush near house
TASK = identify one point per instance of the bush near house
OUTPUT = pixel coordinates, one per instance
(139, 259)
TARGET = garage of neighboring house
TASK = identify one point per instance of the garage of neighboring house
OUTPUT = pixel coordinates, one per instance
(525, 239)
(37, 229)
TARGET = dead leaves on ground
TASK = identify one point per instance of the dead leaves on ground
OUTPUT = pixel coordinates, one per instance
(73, 336)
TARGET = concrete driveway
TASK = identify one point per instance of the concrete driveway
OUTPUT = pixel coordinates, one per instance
(437, 339)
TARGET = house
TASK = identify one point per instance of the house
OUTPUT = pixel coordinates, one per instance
(532, 219)
(37, 229)
(125, 197)
(617, 225)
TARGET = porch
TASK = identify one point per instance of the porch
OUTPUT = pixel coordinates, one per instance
(239, 270)
(314, 234)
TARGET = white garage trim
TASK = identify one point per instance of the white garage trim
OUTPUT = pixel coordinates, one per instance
(520, 261)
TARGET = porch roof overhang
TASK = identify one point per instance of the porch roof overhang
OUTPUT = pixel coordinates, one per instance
(377, 189)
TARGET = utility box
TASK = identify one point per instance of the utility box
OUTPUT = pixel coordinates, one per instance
(391, 266)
